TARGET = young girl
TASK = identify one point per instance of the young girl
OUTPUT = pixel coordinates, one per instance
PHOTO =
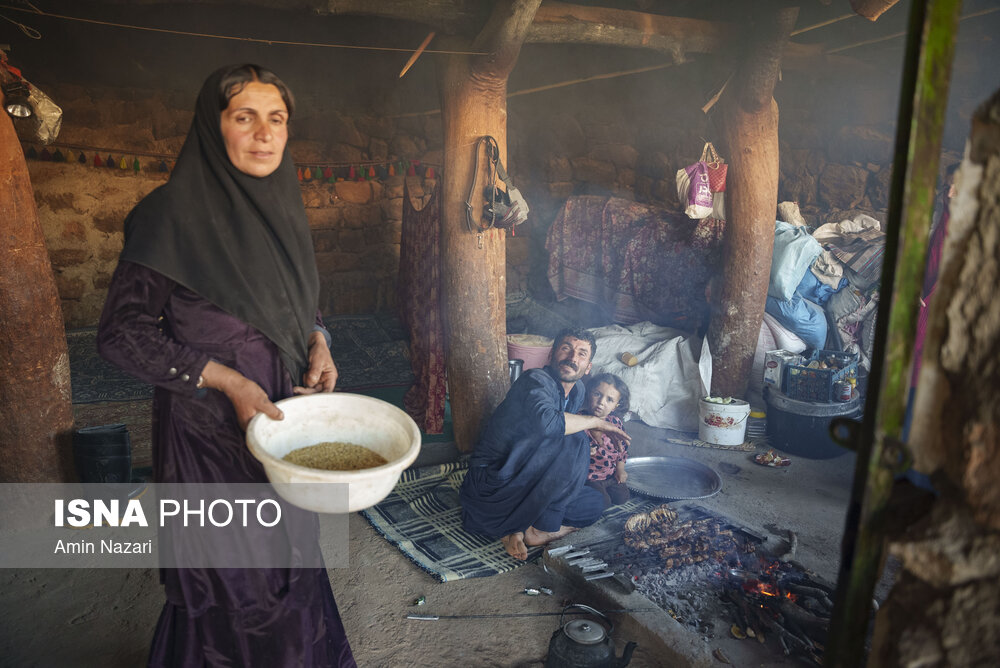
(607, 397)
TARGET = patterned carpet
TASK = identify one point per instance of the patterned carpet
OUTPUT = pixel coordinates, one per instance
(423, 518)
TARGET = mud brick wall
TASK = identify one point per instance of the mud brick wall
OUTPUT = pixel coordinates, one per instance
(601, 139)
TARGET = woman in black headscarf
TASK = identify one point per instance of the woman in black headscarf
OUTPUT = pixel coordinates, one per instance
(214, 301)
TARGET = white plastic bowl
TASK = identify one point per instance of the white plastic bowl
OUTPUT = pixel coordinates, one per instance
(349, 418)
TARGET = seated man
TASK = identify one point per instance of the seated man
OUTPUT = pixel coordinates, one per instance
(526, 475)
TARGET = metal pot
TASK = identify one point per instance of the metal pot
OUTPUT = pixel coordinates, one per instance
(584, 643)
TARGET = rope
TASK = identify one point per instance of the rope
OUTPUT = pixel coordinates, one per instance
(39, 12)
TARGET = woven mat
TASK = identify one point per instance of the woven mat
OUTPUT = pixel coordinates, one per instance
(423, 518)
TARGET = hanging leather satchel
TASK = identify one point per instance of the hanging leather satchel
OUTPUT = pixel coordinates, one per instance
(503, 209)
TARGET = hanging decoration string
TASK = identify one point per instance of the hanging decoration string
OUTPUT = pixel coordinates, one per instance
(26, 29)
(39, 12)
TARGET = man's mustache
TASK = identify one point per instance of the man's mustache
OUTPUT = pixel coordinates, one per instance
(570, 365)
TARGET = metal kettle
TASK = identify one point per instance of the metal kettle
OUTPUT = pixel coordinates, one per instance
(584, 643)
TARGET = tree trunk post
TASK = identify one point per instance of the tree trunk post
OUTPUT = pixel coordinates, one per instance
(473, 280)
(36, 413)
(750, 133)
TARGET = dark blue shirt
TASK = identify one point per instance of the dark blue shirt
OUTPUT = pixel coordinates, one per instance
(525, 466)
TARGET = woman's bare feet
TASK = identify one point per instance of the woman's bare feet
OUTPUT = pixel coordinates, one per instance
(514, 544)
(533, 536)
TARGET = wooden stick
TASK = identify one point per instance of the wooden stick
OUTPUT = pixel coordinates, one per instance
(416, 54)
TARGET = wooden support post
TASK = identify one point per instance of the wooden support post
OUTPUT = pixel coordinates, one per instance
(36, 414)
(473, 279)
(750, 132)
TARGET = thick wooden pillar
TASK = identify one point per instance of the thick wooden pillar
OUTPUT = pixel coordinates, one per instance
(750, 132)
(36, 414)
(474, 286)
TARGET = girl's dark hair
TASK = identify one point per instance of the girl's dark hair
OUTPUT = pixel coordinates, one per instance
(618, 384)
(237, 77)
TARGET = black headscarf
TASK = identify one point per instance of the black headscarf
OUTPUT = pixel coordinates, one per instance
(239, 241)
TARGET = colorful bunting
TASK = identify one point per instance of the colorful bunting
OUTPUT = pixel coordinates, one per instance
(82, 159)
(135, 166)
(58, 156)
(163, 166)
(97, 161)
(32, 153)
(45, 155)
(110, 162)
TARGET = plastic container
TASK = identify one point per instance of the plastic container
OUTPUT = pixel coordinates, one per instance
(334, 416)
(531, 348)
(803, 427)
(819, 385)
(723, 424)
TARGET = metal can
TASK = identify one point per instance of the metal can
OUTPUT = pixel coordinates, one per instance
(842, 390)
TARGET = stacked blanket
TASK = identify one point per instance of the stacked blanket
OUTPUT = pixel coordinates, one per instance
(836, 272)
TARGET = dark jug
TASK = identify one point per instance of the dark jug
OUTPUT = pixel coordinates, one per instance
(103, 454)
(584, 643)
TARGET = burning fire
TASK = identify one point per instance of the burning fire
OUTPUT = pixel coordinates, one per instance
(767, 589)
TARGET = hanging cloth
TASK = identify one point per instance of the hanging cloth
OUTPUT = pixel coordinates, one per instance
(419, 291)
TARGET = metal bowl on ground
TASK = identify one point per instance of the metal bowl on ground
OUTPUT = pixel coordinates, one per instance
(334, 417)
(671, 478)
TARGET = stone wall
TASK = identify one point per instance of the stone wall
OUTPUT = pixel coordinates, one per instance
(599, 138)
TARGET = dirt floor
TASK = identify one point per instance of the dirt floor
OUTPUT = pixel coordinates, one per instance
(106, 617)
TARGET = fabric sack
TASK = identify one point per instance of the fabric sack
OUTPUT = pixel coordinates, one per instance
(716, 167)
(693, 190)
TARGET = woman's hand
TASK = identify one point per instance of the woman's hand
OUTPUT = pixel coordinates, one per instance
(322, 373)
(248, 398)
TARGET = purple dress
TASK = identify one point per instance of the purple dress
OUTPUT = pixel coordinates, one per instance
(164, 334)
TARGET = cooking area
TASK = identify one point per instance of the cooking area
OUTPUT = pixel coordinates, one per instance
(710, 565)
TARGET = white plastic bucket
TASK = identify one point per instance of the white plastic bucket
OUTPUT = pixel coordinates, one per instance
(723, 424)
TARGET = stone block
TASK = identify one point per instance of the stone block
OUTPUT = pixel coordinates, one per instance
(626, 179)
(337, 262)
(589, 170)
(393, 186)
(325, 218)
(326, 241)
(70, 287)
(68, 257)
(379, 127)
(313, 198)
(878, 188)
(620, 155)
(352, 241)
(561, 190)
(861, 144)
(101, 280)
(354, 216)
(655, 165)
(74, 231)
(378, 149)
(557, 168)
(354, 192)
(842, 186)
(433, 128)
(405, 147)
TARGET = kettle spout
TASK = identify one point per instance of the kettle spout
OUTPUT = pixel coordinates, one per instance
(626, 655)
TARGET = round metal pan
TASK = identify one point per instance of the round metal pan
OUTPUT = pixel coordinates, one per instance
(671, 478)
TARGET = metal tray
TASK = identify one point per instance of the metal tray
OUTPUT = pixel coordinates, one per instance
(671, 478)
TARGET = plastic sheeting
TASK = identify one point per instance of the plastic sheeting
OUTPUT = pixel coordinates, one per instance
(673, 373)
